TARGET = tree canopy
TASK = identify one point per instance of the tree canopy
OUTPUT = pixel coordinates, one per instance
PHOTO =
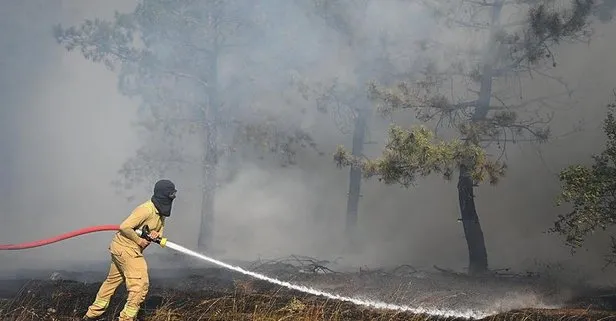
(590, 190)
(171, 54)
(467, 89)
(414, 152)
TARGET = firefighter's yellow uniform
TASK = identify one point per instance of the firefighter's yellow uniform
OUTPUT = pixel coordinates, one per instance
(128, 264)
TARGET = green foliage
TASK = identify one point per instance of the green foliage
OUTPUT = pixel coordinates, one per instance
(591, 192)
(151, 49)
(102, 41)
(604, 10)
(412, 153)
(558, 25)
(486, 112)
(501, 124)
(167, 54)
(337, 99)
(555, 26)
(488, 117)
(269, 136)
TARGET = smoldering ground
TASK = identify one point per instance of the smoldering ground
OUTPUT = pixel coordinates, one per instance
(67, 131)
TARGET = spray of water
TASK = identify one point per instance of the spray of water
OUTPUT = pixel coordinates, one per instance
(468, 314)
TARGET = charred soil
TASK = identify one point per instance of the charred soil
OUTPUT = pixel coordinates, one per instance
(214, 294)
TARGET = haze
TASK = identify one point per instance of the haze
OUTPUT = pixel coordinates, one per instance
(66, 131)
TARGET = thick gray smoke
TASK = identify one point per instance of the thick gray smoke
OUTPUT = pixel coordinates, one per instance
(66, 131)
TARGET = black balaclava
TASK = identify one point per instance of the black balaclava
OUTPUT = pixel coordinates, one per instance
(164, 194)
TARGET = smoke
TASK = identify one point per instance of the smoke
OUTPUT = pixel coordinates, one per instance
(66, 131)
(532, 182)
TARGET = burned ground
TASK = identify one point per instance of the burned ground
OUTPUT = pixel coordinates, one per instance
(211, 293)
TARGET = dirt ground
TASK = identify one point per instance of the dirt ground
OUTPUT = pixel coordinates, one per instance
(209, 293)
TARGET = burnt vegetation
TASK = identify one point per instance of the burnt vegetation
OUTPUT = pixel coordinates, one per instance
(208, 294)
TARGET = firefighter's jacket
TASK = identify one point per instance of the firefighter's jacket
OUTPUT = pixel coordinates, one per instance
(126, 239)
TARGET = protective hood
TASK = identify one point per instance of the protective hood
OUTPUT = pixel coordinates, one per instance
(164, 194)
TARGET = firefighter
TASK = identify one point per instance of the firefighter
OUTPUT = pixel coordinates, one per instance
(127, 262)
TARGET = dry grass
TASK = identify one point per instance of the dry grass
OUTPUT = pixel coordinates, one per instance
(64, 300)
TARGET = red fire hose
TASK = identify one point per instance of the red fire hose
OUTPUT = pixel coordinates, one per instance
(58, 238)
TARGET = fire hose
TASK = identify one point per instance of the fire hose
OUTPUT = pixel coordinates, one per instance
(144, 232)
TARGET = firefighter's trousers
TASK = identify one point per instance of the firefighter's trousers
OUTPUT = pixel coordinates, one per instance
(129, 267)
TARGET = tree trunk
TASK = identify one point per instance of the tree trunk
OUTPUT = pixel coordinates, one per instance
(477, 254)
(485, 91)
(209, 183)
(359, 135)
(210, 161)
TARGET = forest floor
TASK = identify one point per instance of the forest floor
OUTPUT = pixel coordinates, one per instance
(210, 293)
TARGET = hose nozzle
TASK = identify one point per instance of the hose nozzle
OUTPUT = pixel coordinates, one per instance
(144, 233)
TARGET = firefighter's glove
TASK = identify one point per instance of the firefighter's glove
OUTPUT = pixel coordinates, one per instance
(154, 235)
(143, 243)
